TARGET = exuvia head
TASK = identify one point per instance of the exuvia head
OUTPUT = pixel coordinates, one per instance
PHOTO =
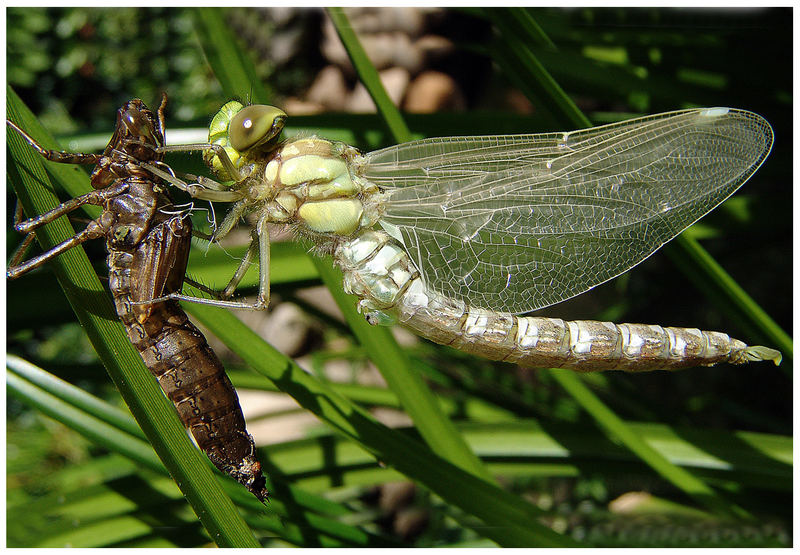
(139, 123)
(137, 136)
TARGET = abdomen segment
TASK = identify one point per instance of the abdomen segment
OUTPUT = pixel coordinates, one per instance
(377, 268)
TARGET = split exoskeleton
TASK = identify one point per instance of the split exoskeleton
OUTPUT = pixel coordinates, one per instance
(148, 241)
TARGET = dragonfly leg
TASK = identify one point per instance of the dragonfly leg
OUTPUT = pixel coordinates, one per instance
(203, 189)
(56, 155)
(198, 300)
(262, 232)
(232, 170)
(244, 264)
(207, 182)
(201, 235)
(259, 247)
(16, 267)
(204, 288)
(19, 252)
(18, 214)
(93, 231)
(160, 113)
(92, 197)
(233, 216)
(22, 248)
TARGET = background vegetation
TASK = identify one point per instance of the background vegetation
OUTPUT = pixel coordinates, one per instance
(700, 457)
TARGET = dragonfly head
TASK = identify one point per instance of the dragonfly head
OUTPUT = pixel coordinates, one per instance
(255, 126)
(241, 130)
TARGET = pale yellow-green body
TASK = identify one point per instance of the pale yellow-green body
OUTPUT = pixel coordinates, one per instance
(317, 186)
(307, 181)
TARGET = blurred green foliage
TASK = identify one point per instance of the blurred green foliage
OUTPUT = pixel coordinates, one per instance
(79, 65)
(74, 66)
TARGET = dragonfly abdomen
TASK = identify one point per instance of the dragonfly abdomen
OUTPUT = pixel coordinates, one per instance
(588, 345)
(377, 268)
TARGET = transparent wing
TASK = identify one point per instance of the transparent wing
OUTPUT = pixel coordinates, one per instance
(519, 222)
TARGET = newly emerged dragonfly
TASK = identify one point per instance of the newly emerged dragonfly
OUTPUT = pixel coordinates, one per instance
(148, 241)
(456, 237)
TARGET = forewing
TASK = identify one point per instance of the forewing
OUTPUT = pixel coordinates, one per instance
(515, 223)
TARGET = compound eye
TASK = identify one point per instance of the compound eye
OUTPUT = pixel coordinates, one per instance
(255, 126)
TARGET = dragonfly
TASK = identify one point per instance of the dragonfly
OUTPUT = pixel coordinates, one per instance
(148, 241)
(458, 238)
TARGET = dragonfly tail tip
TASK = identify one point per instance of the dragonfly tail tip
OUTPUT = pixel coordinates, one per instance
(759, 353)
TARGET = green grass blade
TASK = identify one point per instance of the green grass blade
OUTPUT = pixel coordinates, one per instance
(520, 22)
(615, 427)
(59, 518)
(96, 420)
(528, 73)
(154, 413)
(528, 448)
(369, 76)
(231, 65)
(74, 396)
(104, 533)
(88, 425)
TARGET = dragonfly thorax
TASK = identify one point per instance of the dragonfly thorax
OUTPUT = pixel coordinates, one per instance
(308, 181)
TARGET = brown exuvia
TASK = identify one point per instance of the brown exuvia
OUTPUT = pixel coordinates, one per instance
(148, 247)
